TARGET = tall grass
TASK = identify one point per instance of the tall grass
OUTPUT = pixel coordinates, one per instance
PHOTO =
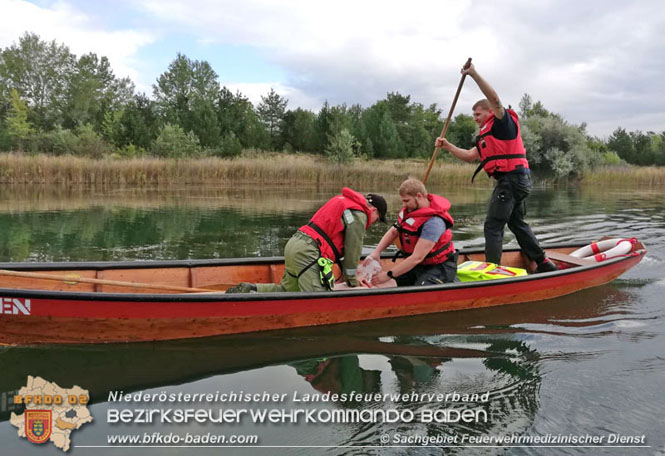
(263, 168)
(251, 168)
(628, 176)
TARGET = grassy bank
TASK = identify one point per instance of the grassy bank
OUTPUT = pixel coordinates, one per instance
(251, 168)
(262, 168)
(634, 176)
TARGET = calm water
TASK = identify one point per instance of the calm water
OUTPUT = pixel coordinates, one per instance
(591, 363)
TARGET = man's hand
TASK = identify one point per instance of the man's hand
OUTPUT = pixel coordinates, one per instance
(471, 71)
(442, 143)
(372, 256)
(364, 283)
(380, 278)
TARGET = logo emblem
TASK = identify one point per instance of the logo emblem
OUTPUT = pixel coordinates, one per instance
(38, 425)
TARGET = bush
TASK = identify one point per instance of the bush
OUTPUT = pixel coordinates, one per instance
(173, 142)
(91, 144)
(340, 146)
(611, 158)
(229, 146)
(555, 147)
(131, 151)
(57, 142)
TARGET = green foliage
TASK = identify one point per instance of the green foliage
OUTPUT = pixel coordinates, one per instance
(40, 72)
(174, 142)
(229, 147)
(555, 147)
(611, 158)
(90, 143)
(18, 127)
(299, 130)
(462, 131)
(341, 146)
(235, 114)
(383, 133)
(185, 95)
(139, 122)
(55, 102)
(131, 151)
(58, 142)
(93, 91)
(271, 112)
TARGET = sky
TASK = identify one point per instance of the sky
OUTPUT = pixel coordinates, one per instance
(599, 62)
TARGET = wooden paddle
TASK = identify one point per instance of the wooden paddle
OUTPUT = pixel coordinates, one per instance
(115, 283)
(447, 122)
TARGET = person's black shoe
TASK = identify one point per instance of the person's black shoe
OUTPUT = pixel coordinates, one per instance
(242, 287)
(546, 266)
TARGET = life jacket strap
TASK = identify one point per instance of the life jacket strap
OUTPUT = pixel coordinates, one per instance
(495, 157)
(315, 227)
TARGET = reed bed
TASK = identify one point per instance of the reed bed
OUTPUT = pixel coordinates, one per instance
(270, 169)
(625, 176)
(251, 168)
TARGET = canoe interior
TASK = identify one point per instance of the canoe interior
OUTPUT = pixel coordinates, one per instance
(218, 276)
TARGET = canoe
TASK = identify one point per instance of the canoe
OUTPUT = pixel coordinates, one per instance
(86, 302)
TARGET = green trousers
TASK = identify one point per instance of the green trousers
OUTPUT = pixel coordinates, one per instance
(301, 251)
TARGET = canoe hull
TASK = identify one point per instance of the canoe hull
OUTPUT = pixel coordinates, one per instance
(85, 318)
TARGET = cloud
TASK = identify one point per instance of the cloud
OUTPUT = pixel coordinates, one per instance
(80, 32)
(593, 61)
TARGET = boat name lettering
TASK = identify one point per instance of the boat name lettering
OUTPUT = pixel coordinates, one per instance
(14, 306)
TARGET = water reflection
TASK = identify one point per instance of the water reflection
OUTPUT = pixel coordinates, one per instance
(591, 361)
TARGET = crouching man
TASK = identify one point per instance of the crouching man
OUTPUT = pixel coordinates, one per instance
(423, 228)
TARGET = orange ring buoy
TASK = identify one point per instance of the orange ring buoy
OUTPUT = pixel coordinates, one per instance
(603, 250)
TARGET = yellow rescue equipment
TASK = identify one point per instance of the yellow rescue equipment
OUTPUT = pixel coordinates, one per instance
(471, 271)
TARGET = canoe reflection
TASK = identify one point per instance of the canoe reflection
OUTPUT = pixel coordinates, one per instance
(417, 350)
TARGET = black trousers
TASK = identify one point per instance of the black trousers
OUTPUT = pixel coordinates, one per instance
(507, 206)
(435, 274)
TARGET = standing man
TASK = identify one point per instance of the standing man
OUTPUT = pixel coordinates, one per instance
(333, 235)
(423, 226)
(502, 155)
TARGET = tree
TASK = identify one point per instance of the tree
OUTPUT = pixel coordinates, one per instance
(383, 132)
(93, 91)
(174, 142)
(17, 123)
(555, 147)
(621, 143)
(139, 122)
(185, 95)
(236, 114)
(340, 146)
(40, 72)
(271, 112)
(299, 130)
(462, 131)
(528, 108)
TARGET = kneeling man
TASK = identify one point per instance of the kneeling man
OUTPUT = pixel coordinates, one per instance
(423, 227)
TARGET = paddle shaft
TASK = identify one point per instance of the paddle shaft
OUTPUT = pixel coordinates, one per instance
(446, 124)
(116, 283)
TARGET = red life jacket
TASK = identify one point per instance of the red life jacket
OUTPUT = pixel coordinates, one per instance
(499, 155)
(326, 226)
(410, 226)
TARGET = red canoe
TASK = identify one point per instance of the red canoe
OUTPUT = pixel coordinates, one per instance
(145, 301)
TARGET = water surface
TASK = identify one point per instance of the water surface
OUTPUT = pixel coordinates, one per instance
(589, 363)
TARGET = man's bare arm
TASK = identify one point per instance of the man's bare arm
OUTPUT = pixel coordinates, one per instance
(487, 90)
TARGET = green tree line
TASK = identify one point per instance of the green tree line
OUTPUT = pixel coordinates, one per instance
(53, 102)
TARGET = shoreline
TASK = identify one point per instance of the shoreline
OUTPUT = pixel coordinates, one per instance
(271, 168)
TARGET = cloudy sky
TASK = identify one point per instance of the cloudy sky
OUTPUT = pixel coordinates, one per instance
(595, 61)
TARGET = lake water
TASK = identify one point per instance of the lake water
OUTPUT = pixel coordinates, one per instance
(589, 365)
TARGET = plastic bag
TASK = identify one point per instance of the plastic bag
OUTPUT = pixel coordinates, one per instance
(368, 269)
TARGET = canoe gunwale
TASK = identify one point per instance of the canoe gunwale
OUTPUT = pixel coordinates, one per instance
(290, 296)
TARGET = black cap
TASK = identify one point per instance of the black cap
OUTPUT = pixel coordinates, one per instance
(380, 204)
